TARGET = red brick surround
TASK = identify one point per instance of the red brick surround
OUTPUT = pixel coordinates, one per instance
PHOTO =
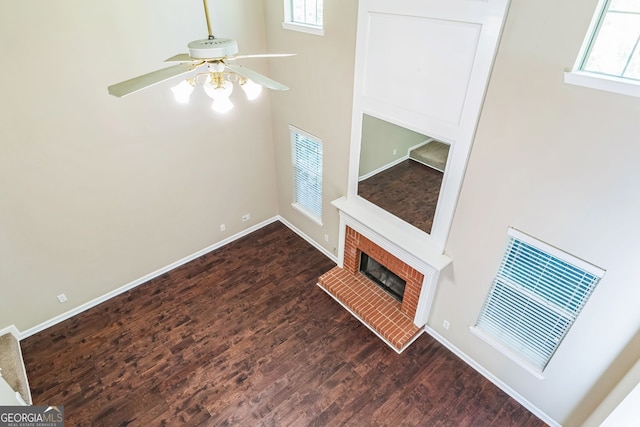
(356, 243)
(376, 308)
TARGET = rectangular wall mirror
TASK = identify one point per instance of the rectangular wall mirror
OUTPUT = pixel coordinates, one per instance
(401, 171)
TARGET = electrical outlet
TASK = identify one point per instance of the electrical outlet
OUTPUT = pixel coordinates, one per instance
(223, 227)
(62, 298)
(445, 324)
(395, 151)
(326, 237)
(246, 217)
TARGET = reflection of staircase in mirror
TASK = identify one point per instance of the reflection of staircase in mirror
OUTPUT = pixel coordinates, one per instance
(433, 154)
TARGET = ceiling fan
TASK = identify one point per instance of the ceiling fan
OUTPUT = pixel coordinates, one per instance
(217, 55)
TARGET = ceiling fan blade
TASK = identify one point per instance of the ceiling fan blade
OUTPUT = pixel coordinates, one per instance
(261, 55)
(182, 57)
(256, 77)
(137, 83)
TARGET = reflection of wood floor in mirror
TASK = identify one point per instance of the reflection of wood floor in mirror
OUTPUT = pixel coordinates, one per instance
(408, 190)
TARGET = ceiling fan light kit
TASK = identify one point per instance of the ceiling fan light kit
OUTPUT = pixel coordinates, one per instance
(218, 80)
(219, 90)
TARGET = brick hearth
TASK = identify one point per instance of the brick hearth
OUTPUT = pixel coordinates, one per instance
(389, 318)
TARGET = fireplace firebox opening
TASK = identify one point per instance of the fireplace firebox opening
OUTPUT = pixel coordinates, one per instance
(382, 276)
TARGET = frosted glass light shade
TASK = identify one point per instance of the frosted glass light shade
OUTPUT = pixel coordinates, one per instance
(221, 105)
(182, 91)
(220, 95)
(251, 89)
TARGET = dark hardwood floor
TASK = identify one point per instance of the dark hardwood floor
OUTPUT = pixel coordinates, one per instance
(409, 190)
(244, 337)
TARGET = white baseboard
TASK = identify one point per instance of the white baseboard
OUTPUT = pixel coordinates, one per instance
(395, 162)
(309, 240)
(11, 329)
(495, 380)
(90, 304)
(383, 168)
(83, 307)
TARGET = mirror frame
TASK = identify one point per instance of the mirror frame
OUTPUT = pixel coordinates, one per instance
(362, 147)
(441, 221)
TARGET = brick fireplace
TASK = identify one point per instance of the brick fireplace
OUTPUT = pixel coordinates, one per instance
(391, 320)
(355, 243)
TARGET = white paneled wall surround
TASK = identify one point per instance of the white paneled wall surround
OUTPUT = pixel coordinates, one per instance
(423, 66)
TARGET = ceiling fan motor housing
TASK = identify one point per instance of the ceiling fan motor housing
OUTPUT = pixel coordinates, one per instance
(212, 48)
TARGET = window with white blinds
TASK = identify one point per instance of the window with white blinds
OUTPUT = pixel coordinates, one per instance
(306, 154)
(536, 296)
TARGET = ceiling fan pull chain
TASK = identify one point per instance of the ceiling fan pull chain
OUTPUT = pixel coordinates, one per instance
(206, 14)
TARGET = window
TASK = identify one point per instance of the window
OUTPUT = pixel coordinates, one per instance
(536, 296)
(304, 15)
(306, 154)
(610, 55)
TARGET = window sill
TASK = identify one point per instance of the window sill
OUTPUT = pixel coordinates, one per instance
(506, 351)
(602, 82)
(304, 211)
(309, 29)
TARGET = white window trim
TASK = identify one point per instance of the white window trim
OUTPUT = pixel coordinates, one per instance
(597, 81)
(297, 206)
(506, 351)
(304, 211)
(309, 29)
(602, 82)
(289, 24)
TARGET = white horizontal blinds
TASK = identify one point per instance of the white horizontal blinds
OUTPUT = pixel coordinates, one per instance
(308, 12)
(614, 49)
(307, 163)
(534, 300)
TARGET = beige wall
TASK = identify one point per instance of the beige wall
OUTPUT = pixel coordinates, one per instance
(320, 78)
(96, 191)
(558, 162)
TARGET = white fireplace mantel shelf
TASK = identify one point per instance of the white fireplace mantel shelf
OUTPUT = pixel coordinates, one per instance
(413, 242)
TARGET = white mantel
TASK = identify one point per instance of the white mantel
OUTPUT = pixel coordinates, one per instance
(399, 238)
(393, 236)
